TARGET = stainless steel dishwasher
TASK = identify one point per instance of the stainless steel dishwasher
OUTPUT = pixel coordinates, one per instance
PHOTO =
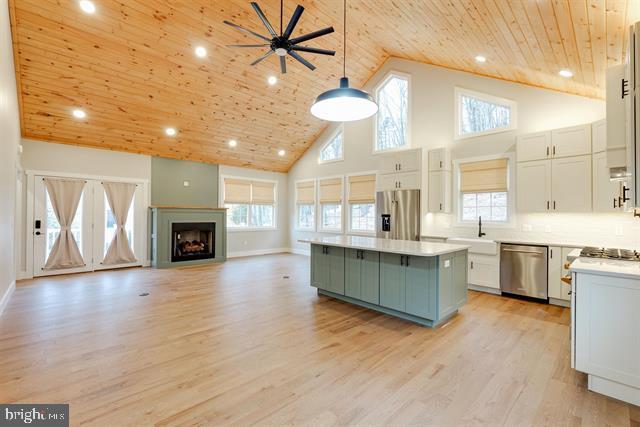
(523, 270)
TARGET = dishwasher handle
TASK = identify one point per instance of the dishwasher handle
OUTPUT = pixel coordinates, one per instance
(523, 251)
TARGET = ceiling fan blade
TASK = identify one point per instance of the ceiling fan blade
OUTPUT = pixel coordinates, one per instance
(263, 57)
(313, 35)
(313, 50)
(253, 33)
(293, 22)
(248, 45)
(283, 65)
(306, 63)
(264, 19)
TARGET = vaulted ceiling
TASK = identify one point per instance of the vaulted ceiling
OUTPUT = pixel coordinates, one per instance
(131, 65)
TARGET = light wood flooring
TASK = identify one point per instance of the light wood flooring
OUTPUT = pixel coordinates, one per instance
(237, 343)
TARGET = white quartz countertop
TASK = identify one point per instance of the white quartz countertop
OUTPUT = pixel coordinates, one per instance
(607, 267)
(404, 247)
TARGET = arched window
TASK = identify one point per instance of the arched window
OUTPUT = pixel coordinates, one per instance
(392, 120)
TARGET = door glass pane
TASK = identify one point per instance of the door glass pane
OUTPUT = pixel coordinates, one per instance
(110, 226)
(53, 226)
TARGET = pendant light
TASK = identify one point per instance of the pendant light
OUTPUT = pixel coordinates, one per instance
(344, 104)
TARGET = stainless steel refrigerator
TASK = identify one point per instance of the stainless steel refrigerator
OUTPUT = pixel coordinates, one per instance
(398, 214)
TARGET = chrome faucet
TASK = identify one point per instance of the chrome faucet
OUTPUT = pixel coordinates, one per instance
(480, 233)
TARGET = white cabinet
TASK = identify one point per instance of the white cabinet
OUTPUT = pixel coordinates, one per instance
(439, 183)
(616, 119)
(572, 141)
(534, 186)
(605, 192)
(484, 270)
(439, 160)
(558, 290)
(399, 181)
(599, 136)
(571, 184)
(399, 161)
(534, 146)
(606, 334)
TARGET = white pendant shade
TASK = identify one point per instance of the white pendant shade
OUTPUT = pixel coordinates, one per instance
(344, 104)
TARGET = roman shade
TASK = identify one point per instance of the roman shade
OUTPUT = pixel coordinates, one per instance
(263, 193)
(362, 189)
(306, 193)
(237, 191)
(331, 191)
(485, 176)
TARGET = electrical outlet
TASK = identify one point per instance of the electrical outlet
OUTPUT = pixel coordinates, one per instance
(526, 227)
(619, 231)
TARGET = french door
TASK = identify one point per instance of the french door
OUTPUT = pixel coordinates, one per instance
(93, 228)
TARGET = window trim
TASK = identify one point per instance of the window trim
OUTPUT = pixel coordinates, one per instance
(315, 205)
(349, 230)
(388, 76)
(339, 129)
(459, 91)
(319, 227)
(511, 192)
(230, 229)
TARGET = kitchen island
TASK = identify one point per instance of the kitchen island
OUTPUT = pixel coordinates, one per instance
(422, 282)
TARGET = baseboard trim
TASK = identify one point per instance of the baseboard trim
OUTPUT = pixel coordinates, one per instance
(7, 295)
(484, 289)
(242, 254)
(297, 251)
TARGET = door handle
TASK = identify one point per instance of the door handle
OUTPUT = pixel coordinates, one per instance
(402, 260)
(520, 251)
(37, 233)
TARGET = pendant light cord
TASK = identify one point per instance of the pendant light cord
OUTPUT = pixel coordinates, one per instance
(344, 41)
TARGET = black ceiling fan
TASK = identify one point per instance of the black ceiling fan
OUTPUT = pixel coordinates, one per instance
(282, 44)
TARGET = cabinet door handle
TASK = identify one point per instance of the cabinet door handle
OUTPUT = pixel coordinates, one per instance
(547, 205)
(547, 151)
(440, 206)
(440, 164)
(399, 166)
(554, 205)
(472, 265)
(401, 259)
(624, 193)
(551, 253)
(554, 150)
(615, 202)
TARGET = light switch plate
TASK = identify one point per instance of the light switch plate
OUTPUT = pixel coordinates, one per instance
(447, 263)
(186, 183)
(619, 231)
(547, 229)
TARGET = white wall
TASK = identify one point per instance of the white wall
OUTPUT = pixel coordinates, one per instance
(244, 243)
(9, 142)
(432, 126)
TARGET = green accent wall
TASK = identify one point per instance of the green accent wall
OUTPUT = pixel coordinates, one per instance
(167, 183)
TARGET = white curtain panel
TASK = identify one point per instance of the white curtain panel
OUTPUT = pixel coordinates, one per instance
(65, 196)
(119, 196)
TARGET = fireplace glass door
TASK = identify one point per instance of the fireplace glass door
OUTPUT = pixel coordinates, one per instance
(192, 241)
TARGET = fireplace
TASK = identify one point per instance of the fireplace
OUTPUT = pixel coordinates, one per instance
(192, 241)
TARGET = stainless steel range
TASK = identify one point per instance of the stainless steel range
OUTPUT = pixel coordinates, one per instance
(610, 253)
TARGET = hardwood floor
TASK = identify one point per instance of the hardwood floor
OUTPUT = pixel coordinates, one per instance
(237, 343)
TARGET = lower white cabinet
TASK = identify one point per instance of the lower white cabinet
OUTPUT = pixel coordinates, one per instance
(439, 192)
(605, 191)
(484, 270)
(555, 185)
(558, 290)
(399, 181)
(606, 334)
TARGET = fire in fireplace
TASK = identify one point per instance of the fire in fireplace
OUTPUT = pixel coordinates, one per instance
(192, 240)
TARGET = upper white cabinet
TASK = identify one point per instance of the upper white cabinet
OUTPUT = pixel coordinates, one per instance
(534, 186)
(573, 141)
(616, 118)
(439, 160)
(565, 142)
(400, 161)
(606, 193)
(571, 184)
(399, 181)
(599, 136)
(534, 146)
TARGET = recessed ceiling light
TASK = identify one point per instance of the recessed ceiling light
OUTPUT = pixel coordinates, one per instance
(201, 52)
(87, 6)
(170, 131)
(481, 58)
(565, 73)
(272, 80)
(79, 114)
(281, 153)
(233, 143)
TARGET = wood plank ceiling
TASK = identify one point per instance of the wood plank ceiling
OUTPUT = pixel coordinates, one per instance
(131, 65)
